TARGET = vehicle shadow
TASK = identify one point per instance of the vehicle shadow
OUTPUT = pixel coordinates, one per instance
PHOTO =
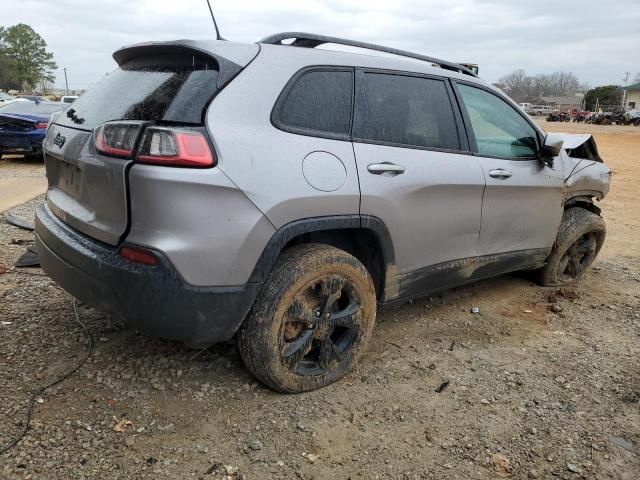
(443, 317)
(22, 159)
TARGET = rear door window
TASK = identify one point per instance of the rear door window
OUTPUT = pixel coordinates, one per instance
(406, 111)
(318, 102)
(162, 88)
(499, 130)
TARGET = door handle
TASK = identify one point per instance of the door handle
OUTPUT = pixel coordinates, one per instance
(500, 173)
(385, 167)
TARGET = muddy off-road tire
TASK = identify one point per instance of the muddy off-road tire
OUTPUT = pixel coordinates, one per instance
(311, 321)
(579, 240)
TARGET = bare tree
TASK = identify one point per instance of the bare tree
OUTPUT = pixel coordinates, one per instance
(564, 83)
(517, 85)
(522, 87)
(556, 84)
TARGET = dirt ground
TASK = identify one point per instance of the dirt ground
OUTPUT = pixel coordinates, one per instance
(20, 180)
(543, 383)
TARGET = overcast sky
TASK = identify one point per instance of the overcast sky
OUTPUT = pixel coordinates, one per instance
(597, 40)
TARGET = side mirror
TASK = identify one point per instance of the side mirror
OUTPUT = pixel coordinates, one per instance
(550, 149)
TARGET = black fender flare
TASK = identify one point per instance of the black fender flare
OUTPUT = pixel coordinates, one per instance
(291, 230)
(583, 200)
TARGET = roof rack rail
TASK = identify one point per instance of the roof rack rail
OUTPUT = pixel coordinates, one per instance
(311, 40)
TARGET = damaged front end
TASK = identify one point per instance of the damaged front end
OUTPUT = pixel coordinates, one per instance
(579, 162)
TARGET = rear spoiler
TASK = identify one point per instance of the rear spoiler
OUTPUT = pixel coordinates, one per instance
(230, 58)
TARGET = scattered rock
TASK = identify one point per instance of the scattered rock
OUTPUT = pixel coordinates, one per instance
(568, 294)
(121, 425)
(501, 465)
(255, 445)
(310, 456)
(442, 386)
(573, 468)
(214, 469)
(621, 442)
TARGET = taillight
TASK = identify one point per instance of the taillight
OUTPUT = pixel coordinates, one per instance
(40, 125)
(138, 255)
(117, 139)
(175, 147)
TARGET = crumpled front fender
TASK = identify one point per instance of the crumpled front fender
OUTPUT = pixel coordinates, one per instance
(581, 166)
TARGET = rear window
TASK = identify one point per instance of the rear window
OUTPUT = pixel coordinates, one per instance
(167, 88)
(317, 102)
(27, 107)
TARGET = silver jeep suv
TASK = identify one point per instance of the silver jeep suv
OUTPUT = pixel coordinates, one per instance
(279, 193)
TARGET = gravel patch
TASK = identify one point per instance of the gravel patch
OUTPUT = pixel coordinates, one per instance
(540, 383)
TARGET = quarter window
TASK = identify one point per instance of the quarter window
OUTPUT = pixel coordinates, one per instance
(498, 129)
(405, 110)
(320, 101)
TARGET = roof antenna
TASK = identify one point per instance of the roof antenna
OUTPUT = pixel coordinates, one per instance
(218, 37)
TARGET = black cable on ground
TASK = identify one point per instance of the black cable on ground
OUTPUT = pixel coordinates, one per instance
(41, 390)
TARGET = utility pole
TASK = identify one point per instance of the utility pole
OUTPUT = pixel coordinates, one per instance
(66, 82)
(624, 92)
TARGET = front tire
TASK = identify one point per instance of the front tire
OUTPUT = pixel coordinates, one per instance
(579, 241)
(312, 320)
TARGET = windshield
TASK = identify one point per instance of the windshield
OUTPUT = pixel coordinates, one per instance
(5, 97)
(42, 108)
(156, 88)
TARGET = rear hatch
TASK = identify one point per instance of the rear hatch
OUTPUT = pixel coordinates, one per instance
(164, 83)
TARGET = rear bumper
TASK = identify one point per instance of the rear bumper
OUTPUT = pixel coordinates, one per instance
(154, 300)
(33, 150)
(20, 144)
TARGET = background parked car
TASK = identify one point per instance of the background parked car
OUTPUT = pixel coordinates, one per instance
(33, 98)
(633, 117)
(558, 117)
(578, 115)
(68, 98)
(23, 126)
(6, 98)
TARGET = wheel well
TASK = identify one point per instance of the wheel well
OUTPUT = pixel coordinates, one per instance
(582, 202)
(359, 242)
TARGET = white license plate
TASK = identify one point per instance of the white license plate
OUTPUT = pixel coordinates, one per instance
(70, 179)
